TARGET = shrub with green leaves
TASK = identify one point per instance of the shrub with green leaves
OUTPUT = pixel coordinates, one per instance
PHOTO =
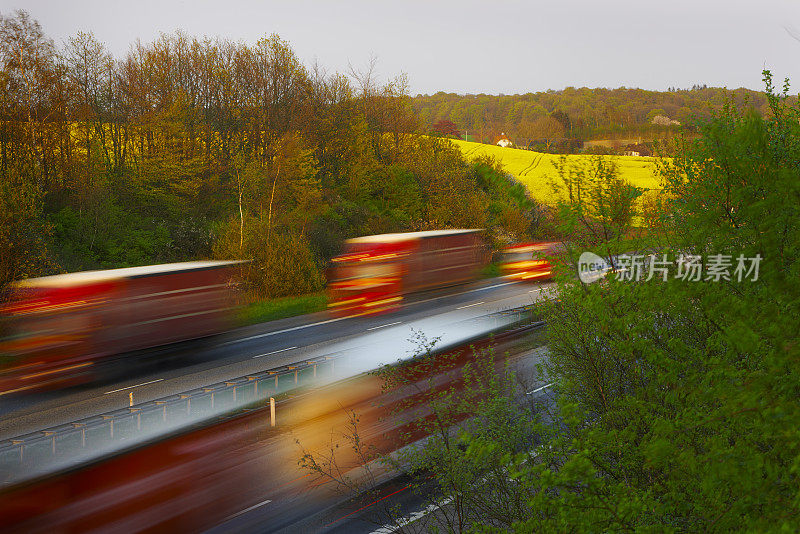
(681, 398)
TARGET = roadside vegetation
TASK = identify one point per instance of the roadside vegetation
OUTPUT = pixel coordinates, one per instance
(190, 148)
(676, 406)
(262, 311)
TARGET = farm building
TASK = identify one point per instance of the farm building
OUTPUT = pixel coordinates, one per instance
(503, 141)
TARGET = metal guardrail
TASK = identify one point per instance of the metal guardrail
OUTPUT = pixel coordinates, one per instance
(30, 454)
(35, 453)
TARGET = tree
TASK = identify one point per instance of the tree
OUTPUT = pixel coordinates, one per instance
(563, 119)
(446, 128)
(27, 148)
(545, 130)
(672, 390)
(596, 207)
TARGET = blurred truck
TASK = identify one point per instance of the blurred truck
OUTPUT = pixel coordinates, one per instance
(64, 329)
(530, 261)
(375, 272)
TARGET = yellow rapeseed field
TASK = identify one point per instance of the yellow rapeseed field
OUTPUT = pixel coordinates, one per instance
(533, 168)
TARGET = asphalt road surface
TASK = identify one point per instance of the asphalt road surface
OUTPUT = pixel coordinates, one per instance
(299, 502)
(451, 314)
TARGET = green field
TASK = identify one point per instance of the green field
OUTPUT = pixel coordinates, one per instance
(281, 308)
(533, 168)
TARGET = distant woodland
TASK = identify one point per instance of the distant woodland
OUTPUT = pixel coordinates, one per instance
(541, 119)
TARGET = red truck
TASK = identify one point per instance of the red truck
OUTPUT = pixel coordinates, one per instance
(375, 272)
(61, 329)
(530, 261)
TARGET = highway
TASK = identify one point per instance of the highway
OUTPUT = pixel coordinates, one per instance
(302, 501)
(450, 314)
(250, 471)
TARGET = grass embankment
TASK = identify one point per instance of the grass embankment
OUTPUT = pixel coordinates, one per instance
(533, 168)
(273, 309)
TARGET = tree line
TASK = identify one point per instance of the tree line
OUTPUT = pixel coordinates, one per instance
(192, 147)
(580, 113)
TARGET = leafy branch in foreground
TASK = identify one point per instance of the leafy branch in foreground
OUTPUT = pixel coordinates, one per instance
(682, 396)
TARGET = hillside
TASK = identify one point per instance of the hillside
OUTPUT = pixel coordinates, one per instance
(580, 113)
(533, 168)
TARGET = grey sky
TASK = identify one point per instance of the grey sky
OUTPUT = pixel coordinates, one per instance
(469, 46)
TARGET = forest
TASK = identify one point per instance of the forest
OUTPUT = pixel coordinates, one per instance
(580, 114)
(195, 147)
(191, 148)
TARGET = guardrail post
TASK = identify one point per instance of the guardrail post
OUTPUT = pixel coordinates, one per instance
(188, 404)
(272, 411)
(110, 419)
(212, 391)
(83, 432)
(21, 445)
(52, 440)
(138, 413)
(164, 412)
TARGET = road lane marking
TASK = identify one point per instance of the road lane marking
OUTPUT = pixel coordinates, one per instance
(494, 286)
(237, 514)
(284, 331)
(131, 387)
(537, 390)
(384, 325)
(400, 523)
(412, 303)
(469, 305)
(267, 334)
(273, 352)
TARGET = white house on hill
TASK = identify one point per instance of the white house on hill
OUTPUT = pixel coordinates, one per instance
(504, 141)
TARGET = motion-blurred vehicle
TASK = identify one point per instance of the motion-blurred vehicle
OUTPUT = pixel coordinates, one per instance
(194, 478)
(375, 272)
(530, 261)
(64, 329)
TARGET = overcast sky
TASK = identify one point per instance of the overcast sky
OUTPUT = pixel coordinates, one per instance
(466, 46)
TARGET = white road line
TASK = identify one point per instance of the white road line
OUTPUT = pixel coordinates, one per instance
(284, 331)
(458, 294)
(273, 352)
(131, 387)
(267, 334)
(537, 390)
(248, 509)
(389, 529)
(469, 305)
(536, 290)
(494, 286)
(384, 325)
